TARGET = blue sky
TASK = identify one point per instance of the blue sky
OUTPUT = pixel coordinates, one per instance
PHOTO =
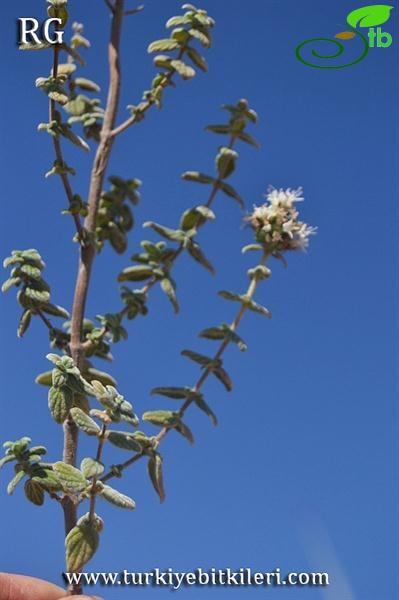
(301, 471)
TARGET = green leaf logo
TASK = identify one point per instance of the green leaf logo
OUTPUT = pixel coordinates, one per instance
(369, 16)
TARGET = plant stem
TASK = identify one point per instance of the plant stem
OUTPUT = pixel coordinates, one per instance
(87, 252)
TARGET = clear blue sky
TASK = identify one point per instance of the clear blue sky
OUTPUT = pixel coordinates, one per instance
(301, 471)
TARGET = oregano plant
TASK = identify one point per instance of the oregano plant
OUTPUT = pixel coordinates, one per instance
(83, 399)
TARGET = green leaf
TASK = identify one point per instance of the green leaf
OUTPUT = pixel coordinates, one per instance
(123, 440)
(223, 332)
(231, 192)
(6, 459)
(201, 359)
(156, 475)
(136, 273)
(174, 235)
(91, 374)
(220, 129)
(230, 296)
(24, 323)
(81, 544)
(197, 59)
(197, 254)
(15, 481)
(196, 217)
(223, 377)
(165, 45)
(47, 479)
(86, 84)
(71, 479)
(56, 311)
(177, 393)
(168, 287)
(60, 402)
(258, 308)
(185, 71)
(369, 16)
(10, 283)
(116, 498)
(251, 248)
(245, 137)
(203, 37)
(91, 468)
(41, 296)
(178, 20)
(197, 177)
(226, 162)
(202, 405)
(34, 492)
(161, 418)
(185, 431)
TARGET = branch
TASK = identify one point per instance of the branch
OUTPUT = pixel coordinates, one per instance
(88, 345)
(250, 293)
(134, 11)
(144, 106)
(58, 147)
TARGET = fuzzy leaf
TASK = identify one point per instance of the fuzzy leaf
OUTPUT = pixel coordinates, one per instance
(202, 405)
(161, 418)
(198, 60)
(123, 440)
(6, 459)
(245, 137)
(156, 475)
(81, 544)
(258, 308)
(223, 377)
(169, 289)
(177, 393)
(165, 45)
(86, 84)
(84, 422)
(24, 323)
(71, 479)
(201, 359)
(60, 402)
(136, 273)
(197, 177)
(15, 481)
(195, 217)
(115, 497)
(91, 468)
(185, 71)
(197, 254)
(47, 478)
(185, 431)
(34, 492)
(230, 296)
(226, 162)
(174, 235)
(231, 192)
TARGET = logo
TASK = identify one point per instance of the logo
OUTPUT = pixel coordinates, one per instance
(368, 17)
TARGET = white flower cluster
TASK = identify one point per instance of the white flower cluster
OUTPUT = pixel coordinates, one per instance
(276, 222)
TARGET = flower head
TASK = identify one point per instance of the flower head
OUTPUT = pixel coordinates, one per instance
(276, 222)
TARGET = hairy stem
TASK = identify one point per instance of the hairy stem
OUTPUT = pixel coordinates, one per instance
(87, 253)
